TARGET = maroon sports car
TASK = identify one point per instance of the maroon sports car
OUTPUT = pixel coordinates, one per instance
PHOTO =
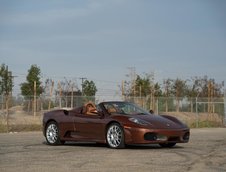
(116, 123)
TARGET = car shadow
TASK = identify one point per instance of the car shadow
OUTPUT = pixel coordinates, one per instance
(102, 145)
(150, 146)
(82, 144)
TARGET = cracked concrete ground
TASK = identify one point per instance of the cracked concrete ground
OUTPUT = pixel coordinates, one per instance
(23, 152)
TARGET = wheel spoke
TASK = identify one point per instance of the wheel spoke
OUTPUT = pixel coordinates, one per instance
(114, 136)
(52, 133)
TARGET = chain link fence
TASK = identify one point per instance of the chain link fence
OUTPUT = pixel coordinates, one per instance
(195, 112)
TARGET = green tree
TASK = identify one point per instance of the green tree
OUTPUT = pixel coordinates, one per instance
(6, 82)
(191, 93)
(210, 89)
(179, 90)
(168, 85)
(142, 86)
(204, 85)
(6, 86)
(89, 88)
(146, 87)
(27, 88)
(158, 91)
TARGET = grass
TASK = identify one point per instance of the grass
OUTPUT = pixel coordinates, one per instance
(206, 124)
(23, 127)
(3, 128)
(205, 120)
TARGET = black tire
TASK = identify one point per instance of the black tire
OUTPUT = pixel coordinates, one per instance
(167, 145)
(52, 134)
(115, 136)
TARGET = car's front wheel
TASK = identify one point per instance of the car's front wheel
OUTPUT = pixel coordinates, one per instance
(115, 136)
(52, 134)
(167, 145)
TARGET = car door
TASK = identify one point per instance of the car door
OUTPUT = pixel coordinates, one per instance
(89, 128)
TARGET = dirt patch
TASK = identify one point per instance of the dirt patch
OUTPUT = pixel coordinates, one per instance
(20, 120)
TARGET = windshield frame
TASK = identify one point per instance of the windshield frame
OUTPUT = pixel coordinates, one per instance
(124, 108)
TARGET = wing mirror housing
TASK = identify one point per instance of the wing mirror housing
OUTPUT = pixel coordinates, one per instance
(101, 114)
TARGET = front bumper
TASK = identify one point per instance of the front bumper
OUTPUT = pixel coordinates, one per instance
(155, 136)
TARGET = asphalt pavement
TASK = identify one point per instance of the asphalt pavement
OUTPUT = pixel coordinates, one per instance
(26, 152)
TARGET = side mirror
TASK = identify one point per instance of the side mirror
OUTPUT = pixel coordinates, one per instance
(66, 112)
(151, 111)
(101, 114)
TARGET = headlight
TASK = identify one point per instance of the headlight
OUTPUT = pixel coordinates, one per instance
(138, 121)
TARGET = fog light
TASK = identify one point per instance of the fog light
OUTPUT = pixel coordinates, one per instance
(186, 136)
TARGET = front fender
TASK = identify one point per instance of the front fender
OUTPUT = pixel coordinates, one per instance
(174, 120)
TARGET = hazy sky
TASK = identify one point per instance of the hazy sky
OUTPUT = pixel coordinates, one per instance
(100, 39)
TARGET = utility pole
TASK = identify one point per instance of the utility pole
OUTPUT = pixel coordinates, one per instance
(34, 98)
(67, 91)
(196, 107)
(224, 106)
(166, 85)
(140, 91)
(60, 93)
(72, 95)
(123, 90)
(51, 93)
(82, 78)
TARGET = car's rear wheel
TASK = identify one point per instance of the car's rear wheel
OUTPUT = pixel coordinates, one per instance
(115, 136)
(167, 145)
(52, 134)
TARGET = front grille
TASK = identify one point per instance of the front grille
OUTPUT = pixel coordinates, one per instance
(150, 136)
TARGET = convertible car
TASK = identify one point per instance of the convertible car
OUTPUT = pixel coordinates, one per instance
(115, 123)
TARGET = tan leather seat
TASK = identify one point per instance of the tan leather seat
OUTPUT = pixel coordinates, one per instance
(89, 109)
(111, 110)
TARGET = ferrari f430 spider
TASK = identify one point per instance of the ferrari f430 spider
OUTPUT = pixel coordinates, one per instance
(115, 123)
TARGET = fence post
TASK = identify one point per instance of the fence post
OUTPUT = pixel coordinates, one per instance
(196, 109)
(35, 98)
(225, 107)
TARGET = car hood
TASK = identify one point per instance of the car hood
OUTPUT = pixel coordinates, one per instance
(160, 122)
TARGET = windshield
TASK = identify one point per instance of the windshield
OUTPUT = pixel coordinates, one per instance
(124, 108)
